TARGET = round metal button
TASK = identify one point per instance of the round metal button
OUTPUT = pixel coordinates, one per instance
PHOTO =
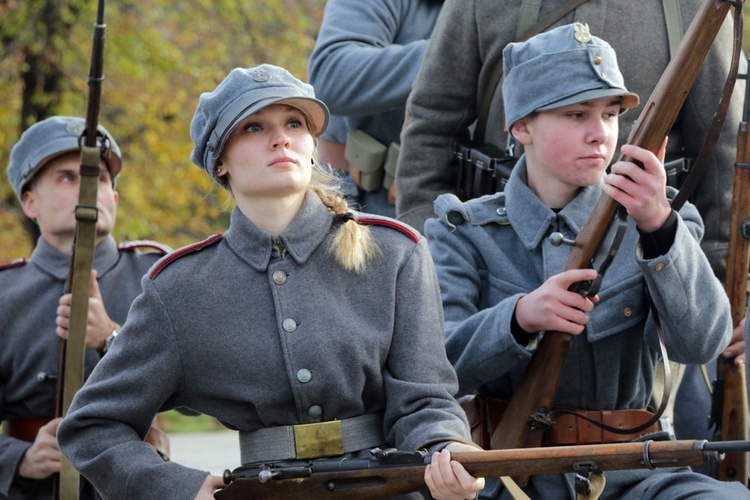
(627, 312)
(304, 375)
(289, 325)
(315, 411)
(279, 277)
(658, 267)
(502, 211)
(597, 60)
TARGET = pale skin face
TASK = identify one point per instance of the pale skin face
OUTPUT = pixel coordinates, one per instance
(268, 163)
(53, 195)
(568, 148)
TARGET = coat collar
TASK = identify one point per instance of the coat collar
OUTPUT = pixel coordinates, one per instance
(307, 231)
(532, 219)
(57, 263)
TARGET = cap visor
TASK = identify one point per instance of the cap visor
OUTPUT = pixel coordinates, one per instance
(629, 99)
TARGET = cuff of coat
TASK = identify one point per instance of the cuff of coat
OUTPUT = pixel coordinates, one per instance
(438, 444)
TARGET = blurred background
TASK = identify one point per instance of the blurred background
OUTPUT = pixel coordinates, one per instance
(159, 57)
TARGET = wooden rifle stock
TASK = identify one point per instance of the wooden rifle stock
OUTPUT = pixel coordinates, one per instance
(73, 351)
(734, 404)
(536, 390)
(373, 482)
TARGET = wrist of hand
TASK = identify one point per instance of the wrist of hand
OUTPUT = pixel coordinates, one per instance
(110, 339)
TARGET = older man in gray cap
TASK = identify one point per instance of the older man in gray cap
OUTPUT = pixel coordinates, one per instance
(44, 173)
(503, 278)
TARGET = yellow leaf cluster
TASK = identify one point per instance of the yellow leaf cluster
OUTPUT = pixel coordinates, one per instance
(158, 60)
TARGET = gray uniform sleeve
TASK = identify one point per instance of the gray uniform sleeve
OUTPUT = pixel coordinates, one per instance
(11, 453)
(441, 108)
(477, 359)
(683, 288)
(103, 433)
(419, 381)
(355, 67)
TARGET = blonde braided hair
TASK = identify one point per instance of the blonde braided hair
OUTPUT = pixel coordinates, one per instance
(353, 245)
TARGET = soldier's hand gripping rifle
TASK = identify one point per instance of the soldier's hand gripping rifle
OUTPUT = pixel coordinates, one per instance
(535, 392)
(729, 407)
(391, 473)
(71, 371)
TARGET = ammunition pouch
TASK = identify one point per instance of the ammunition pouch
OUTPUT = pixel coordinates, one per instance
(375, 161)
(482, 168)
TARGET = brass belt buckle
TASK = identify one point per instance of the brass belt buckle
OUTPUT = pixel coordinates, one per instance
(323, 439)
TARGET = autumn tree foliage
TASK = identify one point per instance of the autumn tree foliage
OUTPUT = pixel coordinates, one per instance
(159, 57)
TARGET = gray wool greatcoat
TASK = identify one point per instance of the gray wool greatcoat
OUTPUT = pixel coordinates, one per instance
(209, 335)
(28, 343)
(466, 44)
(491, 251)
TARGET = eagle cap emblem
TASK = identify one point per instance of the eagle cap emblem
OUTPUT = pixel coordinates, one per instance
(581, 32)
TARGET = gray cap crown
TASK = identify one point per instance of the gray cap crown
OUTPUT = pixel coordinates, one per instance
(50, 138)
(243, 92)
(563, 66)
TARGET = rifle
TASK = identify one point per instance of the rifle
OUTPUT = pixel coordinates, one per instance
(392, 472)
(72, 351)
(535, 392)
(729, 409)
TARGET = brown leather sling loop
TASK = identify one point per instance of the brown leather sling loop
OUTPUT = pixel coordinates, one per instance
(497, 73)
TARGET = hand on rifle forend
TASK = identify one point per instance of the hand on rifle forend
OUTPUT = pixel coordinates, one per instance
(447, 479)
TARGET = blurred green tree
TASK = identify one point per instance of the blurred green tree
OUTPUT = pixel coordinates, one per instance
(158, 59)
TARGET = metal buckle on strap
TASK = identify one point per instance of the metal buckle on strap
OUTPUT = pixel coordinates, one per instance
(319, 439)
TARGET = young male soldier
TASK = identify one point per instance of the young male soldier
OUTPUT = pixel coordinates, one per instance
(503, 280)
(466, 46)
(44, 173)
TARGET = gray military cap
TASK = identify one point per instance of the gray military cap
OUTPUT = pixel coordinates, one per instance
(243, 92)
(563, 66)
(50, 138)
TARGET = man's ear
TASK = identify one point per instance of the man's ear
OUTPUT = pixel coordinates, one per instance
(28, 203)
(520, 131)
